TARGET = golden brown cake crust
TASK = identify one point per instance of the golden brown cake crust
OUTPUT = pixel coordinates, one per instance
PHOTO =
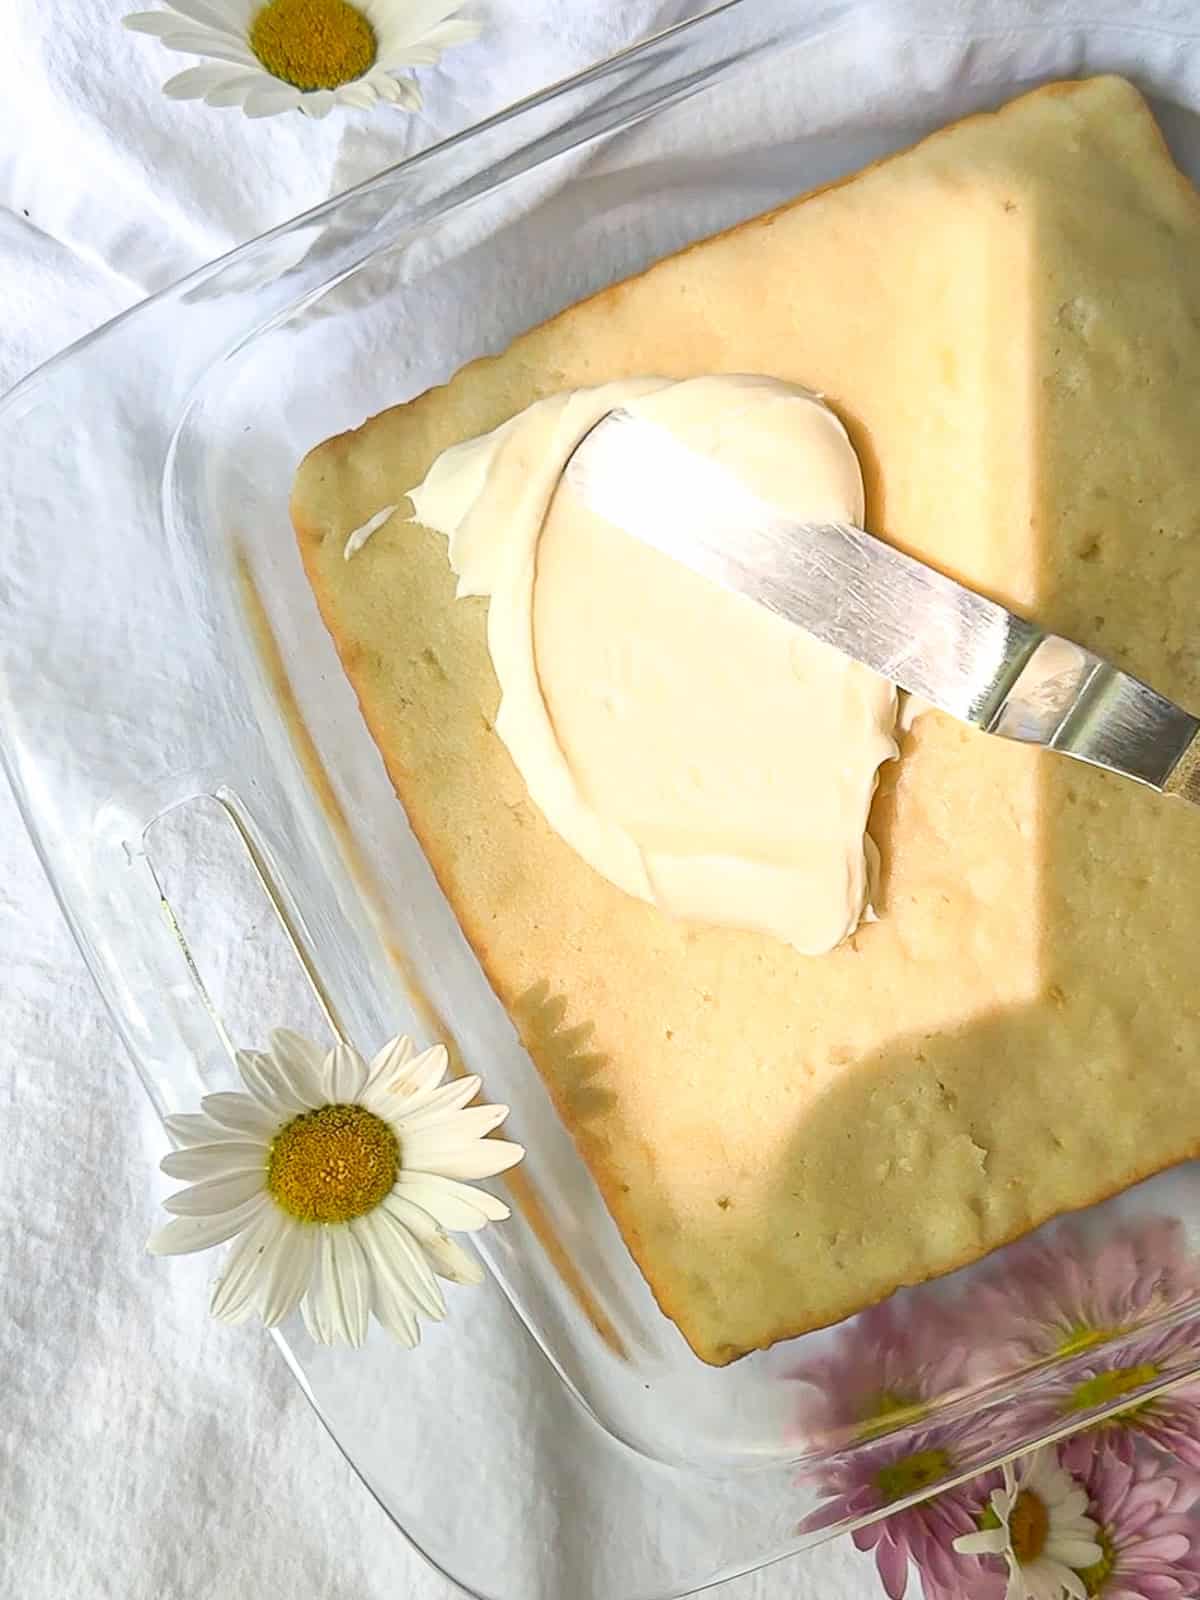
(1007, 318)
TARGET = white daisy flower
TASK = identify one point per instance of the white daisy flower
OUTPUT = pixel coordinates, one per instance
(304, 55)
(338, 1182)
(1041, 1528)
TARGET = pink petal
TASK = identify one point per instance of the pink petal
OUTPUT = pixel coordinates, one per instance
(1164, 1547)
(893, 1569)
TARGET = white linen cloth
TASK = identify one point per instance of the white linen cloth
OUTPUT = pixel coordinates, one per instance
(147, 1453)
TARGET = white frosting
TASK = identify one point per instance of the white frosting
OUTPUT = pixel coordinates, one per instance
(358, 537)
(701, 753)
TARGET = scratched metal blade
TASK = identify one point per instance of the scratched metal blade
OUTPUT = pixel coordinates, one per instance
(912, 625)
(908, 623)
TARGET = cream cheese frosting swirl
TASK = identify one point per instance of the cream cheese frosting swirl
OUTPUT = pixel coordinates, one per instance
(701, 753)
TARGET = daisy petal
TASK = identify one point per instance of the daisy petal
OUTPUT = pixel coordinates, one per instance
(437, 41)
(360, 95)
(451, 1261)
(458, 1127)
(1071, 1502)
(193, 83)
(410, 97)
(345, 1284)
(239, 1283)
(152, 22)
(392, 1297)
(991, 1542)
(221, 1160)
(297, 1068)
(411, 23)
(317, 104)
(345, 1074)
(313, 1305)
(421, 1072)
(436, 1105)
(211, 45)
(455, 31)
(1077, 1552)
(234, 89)
(395, 1314)
(454, 1205)
(427, 51)
(238, 1113)
(209, 14)
(395, 1244)
(286, 1042)
(396, 91)
(191, 1127)
(267, 1084)
(391, 1061)
(483, 1159)
(392, 1289)
(287, 1275)
(184, 1235)
(215, 1195)
(447, 1258)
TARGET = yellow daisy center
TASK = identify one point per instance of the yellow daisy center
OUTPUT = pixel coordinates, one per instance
(313, 44)
(919, 1471)
(1097, 1575)
(1028, 1527)
(332, 1164)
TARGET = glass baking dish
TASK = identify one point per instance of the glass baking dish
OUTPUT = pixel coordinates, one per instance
(188, 712)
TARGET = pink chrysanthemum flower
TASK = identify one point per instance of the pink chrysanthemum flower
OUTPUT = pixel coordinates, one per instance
(884, 1370)
(1068, 1291)
(869, 1477)
(1150, 1546)
(1170, 1420)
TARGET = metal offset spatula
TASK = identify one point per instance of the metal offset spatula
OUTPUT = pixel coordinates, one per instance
(922, 631)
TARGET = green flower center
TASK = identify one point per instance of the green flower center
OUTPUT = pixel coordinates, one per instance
(1084, 1338)
(911, 1474)
(1106, 1387)
(313, 44)
(332, 1164)
(888, 1411)
(1028, 1526)
(1097, 1575)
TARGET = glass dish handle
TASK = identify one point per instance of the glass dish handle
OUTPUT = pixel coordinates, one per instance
(101, 421)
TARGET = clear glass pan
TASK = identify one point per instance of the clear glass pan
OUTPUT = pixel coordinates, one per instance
(160, 454)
